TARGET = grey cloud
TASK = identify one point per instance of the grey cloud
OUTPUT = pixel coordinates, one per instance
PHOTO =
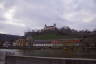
(36, 13)
(11, 29)
(48, 14)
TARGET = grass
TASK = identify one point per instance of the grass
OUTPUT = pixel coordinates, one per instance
(51, 36)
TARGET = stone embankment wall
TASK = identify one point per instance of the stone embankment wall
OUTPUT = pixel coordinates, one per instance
(44, 60)
(3, 55)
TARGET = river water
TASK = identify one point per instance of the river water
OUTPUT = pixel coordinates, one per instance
(45, 52)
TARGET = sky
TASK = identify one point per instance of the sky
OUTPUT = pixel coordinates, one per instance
(19, 16)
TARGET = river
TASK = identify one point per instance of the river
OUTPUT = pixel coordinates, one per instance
(45, 52)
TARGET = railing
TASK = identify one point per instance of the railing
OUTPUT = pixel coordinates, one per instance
(47, 60)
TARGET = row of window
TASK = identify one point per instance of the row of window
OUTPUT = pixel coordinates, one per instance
(47, 45)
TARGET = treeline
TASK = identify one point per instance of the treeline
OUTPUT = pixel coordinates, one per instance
(66, 31)
(82, 33)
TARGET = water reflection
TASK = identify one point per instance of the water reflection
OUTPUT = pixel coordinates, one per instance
(11, 51)
(49, 52)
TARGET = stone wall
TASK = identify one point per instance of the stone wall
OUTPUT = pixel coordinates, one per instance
(37, 60)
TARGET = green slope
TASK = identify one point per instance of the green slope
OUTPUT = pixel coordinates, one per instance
(52, 36)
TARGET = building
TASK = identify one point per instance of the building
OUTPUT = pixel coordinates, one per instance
(7, 44)
(56, 43)
(50, 27)
(22, 43)
(29, 37)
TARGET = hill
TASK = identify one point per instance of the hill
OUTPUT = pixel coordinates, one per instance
(7, 37)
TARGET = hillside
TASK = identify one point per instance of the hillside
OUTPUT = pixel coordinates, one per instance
(54, 35)
(7, 37)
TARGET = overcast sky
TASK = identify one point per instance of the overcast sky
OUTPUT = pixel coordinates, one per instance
(18, 16)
